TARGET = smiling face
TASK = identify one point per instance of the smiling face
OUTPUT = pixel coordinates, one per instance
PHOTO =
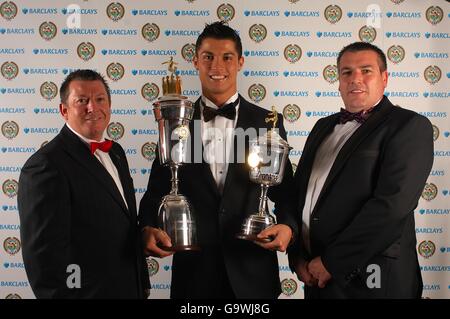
(218, 63)
(361, 82)
(87, 109)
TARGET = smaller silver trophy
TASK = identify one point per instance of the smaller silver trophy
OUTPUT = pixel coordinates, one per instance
(267, 161)
(173, 112)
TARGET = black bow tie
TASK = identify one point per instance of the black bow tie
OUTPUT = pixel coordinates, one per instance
(360, 117)
(228, 111)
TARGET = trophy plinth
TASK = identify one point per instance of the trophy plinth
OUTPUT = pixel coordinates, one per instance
(267, 159)
(173, 112)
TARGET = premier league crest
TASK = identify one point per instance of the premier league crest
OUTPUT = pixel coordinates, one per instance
(188, 52)
(288, 287)
(429, 191)
(435, 132)
(48, 90)
(48, 30)
(434, 15)
(225, 12)
(148, 151)
(150, 91)
(9, 70)
(86, 50)
(13, 296)
(153, 267)
(426, 249)
(291, 113)
(292, 53)
(257, 92)
(11, 245)
(115, 11)
(10, 187)
(8, 10)
(257, 32)
(330, 73)
(115, 131)
(333, 14)
(367, 34)
(432, 74)
(150, 32)
(10, 129)
(396, 54)
(115, 71)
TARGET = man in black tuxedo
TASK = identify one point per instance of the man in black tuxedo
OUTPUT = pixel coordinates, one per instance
(219, 188)
(77, 206)
(358, 182)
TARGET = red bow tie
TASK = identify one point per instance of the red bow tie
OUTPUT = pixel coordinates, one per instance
(103, 146)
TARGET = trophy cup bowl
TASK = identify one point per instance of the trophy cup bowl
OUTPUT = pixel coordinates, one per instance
(267, 161)
(173, 112)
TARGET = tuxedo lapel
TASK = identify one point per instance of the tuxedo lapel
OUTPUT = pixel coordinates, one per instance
(80, 153)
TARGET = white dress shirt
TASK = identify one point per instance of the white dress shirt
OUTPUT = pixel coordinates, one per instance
(105, 160)
(217, 138)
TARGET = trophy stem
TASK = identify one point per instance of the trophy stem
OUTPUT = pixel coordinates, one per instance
(263, 200)
(174, 179)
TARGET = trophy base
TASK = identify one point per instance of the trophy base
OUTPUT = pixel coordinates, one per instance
(255, 224)
(181, 248)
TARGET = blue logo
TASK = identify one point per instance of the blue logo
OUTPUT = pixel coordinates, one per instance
(297, 133)
(46, 110)
(51, 51)
(302, 74)
(124, 92)
(18, 149)
(127, 111)
(182, 33)
(261, 53)
(434, 114)
(435, 211)
(44, 71)
(149, 12)
(403, 94)
(17, 31)
(136, 72)
(192, 13)
(318, 113)
(333, 34)
(294, 34)
(436, 95)
(431, 55)
(12, 110)
(159, 52)
(437, 35)
(119, 52)
(404, 15)
(120, 32)
(291, 93)
(261, 73)
(414, 35)
(327, 94)
(399, 74)
(17, 90)
(79, 11)
(364, 14)
(262, 13)
(41, 130)
(12, 51)
(79, 31)
(322, 54)
(40, 11)
(10, 169)
(304, 14)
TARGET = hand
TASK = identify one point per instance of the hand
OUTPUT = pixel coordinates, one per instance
(151, 238)
(301, 269)
(281, 235)
(318, 270)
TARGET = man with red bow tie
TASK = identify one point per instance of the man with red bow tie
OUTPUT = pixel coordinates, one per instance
(77, 206)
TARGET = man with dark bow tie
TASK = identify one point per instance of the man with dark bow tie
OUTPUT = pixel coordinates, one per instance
(219, 188)
(357, 184)
(77, 207)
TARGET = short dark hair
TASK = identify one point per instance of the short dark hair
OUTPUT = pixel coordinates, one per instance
(81, 75)
(364, 46)
(220, 31)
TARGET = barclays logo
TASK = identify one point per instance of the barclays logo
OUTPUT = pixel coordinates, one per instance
(437, 35)
(437, 173)
(124, 112)
(327, 94)
(192, 13)
(13, 265)
(79, 31)
(261, 73)
(159, 52)
(17, 91)
(441, 154)
(294, 34)
(140, 190)
(182, 33)
(144, 132)
(39, 11)
(364, 14)
(44, 71)
(318, 113)
(160, 286)
(262, 13)
(147, 112)
(434, 114)
(118, 52)
(414, 35)
(404, 94)
(124, 92)
(18, 149)
(436, 211)
(430, 55)
(261, 53)
(284, 268)
(126, 32)
(15, 284)
(191, 92)
(145, 171)
(322, 54)
(435, 268)
(70, 70)
(12, 110)
(291, 93)
(149, 72)
(79, 11)
(404, 74)
(436, 95)
(444, 249)
(8, 208)
(297, 133)
(314, 14)
(404, 15)
(302, 74)
(149, 12)
(9, 227)
(430, 230)
(51, 51)
(10, 169)
(41, 130)
(131, 151)
(12, 51)
(46, 110)
(16, 31)
(186, 72)
(333, 34)
(296, 152)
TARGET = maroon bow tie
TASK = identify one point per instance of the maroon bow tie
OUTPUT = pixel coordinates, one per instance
(102, 146)
(360, 117)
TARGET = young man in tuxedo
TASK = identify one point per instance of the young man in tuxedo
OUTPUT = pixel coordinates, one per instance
(358, 182)
(77, 207)
(219, 188)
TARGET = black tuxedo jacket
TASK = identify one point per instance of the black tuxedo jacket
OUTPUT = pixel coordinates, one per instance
(252, 271)
(71, 212)
(365, 212)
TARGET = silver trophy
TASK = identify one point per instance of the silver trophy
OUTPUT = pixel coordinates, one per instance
(173, 112)
(267, 161)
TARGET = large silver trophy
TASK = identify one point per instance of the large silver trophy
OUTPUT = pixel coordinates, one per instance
(173, 112)
(267, 160)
